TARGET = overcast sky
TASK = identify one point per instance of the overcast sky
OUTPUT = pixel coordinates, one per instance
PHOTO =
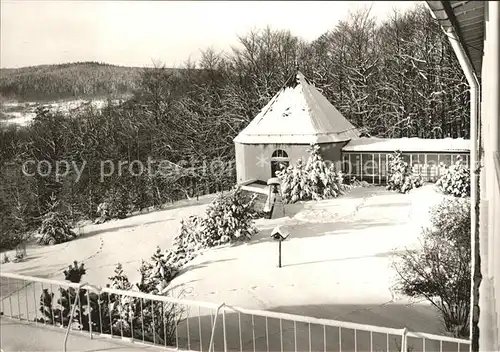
(134, 33)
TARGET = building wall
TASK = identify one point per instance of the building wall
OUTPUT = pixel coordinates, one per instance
(253, 161)
(489, 223)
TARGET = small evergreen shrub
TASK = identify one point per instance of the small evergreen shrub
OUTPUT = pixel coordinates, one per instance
(119, 280)
(294, 183)
(74, 273)
(314, 181)
(20, 252)
(229, 218)
(55, 227)
(456, 180)
(324, 181)
(157, 274)
(187, 242)
(401, 178)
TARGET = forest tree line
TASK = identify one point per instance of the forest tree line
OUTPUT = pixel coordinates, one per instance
(67, 81)
(399, 78)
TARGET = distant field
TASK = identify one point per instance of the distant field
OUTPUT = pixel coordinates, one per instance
(21, 113)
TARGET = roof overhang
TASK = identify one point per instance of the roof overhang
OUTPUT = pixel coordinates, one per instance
(414, 145)
(466, 19)
(296, 138)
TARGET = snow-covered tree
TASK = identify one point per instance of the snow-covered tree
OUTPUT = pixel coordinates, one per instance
(316, 180)
(456, 180)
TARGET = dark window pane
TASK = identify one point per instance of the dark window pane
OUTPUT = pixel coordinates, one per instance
(445, 159)
(355, 167)
(369, 167)
(431, 167)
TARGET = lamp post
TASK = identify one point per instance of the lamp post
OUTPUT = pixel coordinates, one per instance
(279, 235)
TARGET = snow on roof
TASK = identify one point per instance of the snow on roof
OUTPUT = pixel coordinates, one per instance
(298, 114)
(407, 145)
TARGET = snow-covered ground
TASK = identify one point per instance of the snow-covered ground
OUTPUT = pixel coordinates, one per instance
(23, 113)
(19, 118)
(101, 247)
(336, 263)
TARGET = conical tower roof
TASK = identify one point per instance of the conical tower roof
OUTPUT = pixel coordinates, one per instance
(298, 114)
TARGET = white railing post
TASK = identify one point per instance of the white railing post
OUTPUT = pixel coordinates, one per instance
(224, 329)
(404, 340)
(77, 299)
(210, 348)
(90, 315)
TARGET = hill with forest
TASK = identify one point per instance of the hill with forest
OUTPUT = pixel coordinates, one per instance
(68, 81)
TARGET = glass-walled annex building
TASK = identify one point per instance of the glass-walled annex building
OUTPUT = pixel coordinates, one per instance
(368, 159)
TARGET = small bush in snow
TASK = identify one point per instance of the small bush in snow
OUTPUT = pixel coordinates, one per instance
(74, 273)
(190, 234)
(55, 227)
(119, 280)
(440, 271)
(401, 178)
(314, 181)
(456, 180)
(157, 274)
(294, 183)
(187, 242)
(230, 217)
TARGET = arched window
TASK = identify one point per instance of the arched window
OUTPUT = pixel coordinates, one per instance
(279, 160)
(279, 153)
